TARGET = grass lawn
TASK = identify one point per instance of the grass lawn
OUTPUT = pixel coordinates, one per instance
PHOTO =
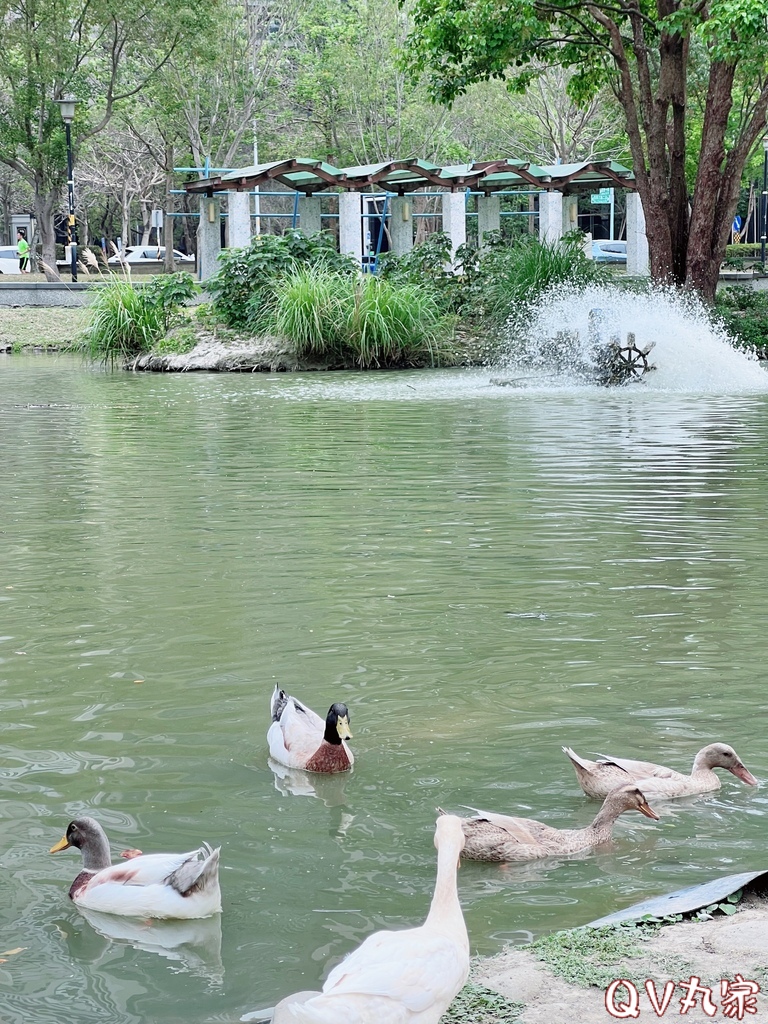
(25, 327)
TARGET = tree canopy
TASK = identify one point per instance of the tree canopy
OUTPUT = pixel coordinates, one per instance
(649, 53)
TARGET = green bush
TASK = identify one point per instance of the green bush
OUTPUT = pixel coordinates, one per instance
(491, 283)
(744, 314)
(126, 321)
(242, 289)
(352, 321)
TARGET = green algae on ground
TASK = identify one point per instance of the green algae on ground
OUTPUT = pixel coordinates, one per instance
(592, 956)
(476, 1004)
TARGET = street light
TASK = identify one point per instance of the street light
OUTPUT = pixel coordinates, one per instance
(764, 204)
(67, 107)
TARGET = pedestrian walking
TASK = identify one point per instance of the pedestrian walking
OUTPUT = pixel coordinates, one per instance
(22, 250)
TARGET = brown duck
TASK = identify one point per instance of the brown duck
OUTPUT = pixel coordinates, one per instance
(597, 778)
(498, 837)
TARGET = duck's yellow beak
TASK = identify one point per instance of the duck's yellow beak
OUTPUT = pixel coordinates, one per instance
(648, 811)
(61, 845)
(342, 728)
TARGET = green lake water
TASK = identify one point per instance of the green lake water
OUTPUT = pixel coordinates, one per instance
(482, 574)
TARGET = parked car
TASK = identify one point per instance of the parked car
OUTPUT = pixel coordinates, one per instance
(148, 254)
(9, 260)
(605, 251)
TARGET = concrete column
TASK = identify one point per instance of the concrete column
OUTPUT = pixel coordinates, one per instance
(401, 224)
(638, 264)
(351, 226)
(488, 216)
(455, 219)
(310, 222)
(239, 220)
(208, 237)
(570, 213)
(550, 216)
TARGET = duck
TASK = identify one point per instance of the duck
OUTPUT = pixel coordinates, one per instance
(597, 778)
(497, 838)
(156, 885)
(299, 738)
(399, 977)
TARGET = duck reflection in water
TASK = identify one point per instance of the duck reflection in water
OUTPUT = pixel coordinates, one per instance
(195, 945)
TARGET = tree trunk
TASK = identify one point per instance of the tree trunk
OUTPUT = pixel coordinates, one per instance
(45, 204)
(168, 264)
(126, 205)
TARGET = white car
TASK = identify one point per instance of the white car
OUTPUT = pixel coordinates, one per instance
(605, 251)
(9, 260)
(148, 254)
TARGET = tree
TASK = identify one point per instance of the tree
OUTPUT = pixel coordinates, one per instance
(102, 52)
(646, 52)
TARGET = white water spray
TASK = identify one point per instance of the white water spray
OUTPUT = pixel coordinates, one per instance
(556, 345)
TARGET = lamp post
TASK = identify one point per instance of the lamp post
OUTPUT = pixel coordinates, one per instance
(67, 107)
(764, 204)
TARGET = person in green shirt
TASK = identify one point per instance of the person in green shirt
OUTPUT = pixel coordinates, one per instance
(22, 250)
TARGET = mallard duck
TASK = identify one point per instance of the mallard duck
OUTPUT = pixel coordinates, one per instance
(156, 885)
(402, 977)
(299, 738)
(498, 837)
(597, 778)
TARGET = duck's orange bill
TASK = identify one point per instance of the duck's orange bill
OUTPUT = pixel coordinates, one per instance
(744, 774)
(61, 845)
(648, 811)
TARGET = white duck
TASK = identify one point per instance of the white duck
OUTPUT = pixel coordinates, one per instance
(157, 885)
(299, 738)
(598, 778)
(403, 977)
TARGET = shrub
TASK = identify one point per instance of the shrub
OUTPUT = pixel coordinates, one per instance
(122, 324)
(366, 322)
(126, 321)
(510, 277)
(744, 314)
(242, 289)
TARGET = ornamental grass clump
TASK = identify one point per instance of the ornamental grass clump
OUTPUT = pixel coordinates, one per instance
(359, 322)
(127, 321)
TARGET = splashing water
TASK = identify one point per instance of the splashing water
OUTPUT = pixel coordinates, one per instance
(690, 354)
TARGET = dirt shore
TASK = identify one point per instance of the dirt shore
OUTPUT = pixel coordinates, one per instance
(570, 985)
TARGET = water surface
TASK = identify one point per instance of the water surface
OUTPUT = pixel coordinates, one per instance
(483, 574)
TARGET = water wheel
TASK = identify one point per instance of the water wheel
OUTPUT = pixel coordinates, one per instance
(619, 364)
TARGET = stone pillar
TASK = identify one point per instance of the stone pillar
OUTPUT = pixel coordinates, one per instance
(637, 242)
(239, 220)
(208, 237)
(550, 216)
(400, 224)
(488, 216)
(570, 213)
(310, 221)
(455, 219)
(351, 226)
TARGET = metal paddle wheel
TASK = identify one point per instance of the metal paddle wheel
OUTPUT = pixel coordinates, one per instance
(617, 365)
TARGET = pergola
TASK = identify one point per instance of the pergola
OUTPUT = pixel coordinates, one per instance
(400, 176)
(558, 187)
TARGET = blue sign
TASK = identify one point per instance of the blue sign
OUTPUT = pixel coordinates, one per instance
(737, 222)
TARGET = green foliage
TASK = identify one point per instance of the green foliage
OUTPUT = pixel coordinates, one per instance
(591, 956)
(476, 1004)
(510, 277)
(492, 283)
(728, 907)
(429, 265)
(242, 290)
(180, 340)
(126, 321)
(365, 322)
(744, 314)
(122, 324)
